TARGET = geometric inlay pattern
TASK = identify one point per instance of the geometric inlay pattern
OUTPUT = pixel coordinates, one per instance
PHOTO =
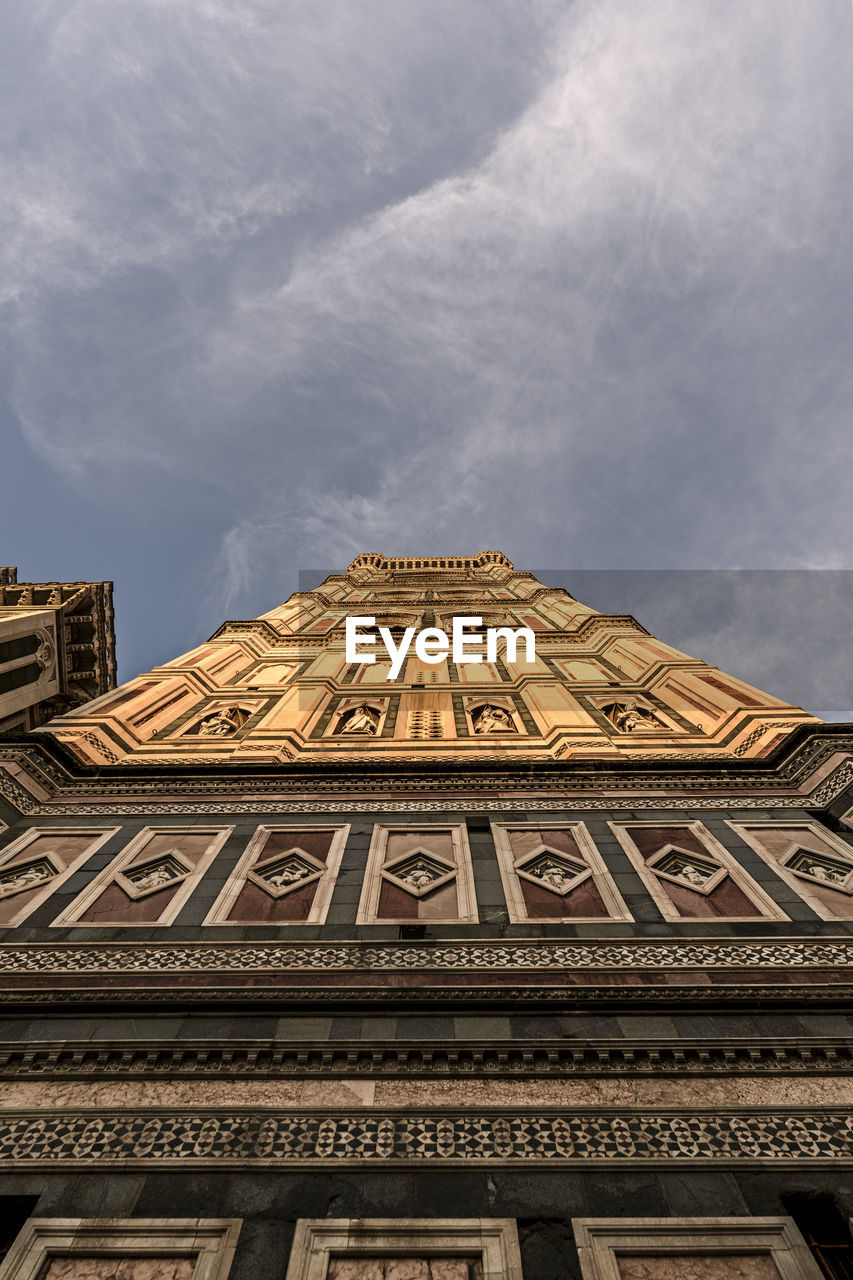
(318, 956)
(510, 1136)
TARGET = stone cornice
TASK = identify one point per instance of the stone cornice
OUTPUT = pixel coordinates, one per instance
(39, 777)
(802, 749)
(161, 1059)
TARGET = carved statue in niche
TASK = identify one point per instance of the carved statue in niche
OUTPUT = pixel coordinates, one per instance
(221, 724)
(628, 717)
(491, 719)
(360, 719)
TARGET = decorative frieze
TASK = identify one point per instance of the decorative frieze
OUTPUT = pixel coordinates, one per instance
(280, 1139)
(513, 957)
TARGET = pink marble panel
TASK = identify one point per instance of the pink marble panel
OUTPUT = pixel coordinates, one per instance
(650, 839)
(400, 842)
(405, 1269)
(542, 904)
(525, 841)
(255, 905)
(80, 1267)
(697, 1266)
(726, 900)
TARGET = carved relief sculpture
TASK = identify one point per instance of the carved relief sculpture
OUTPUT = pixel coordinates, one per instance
(153, 874)
(360, 719)
(628, 717)
(491, 719)
(821, 867)
(281, 873)
(24, 877)
(45, 655)
(552, 869)
(419, 873)
(682, 867)
(221, 724)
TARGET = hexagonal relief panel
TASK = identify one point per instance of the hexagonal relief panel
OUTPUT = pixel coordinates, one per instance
(284, 872)
(689, 870)
(419, 872)
(552, 870)
(820, 868)
(28, 874)
(153, 875)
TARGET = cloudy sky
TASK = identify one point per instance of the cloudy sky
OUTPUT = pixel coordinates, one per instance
(286, 280)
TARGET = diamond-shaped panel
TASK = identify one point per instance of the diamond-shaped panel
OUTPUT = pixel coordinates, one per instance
(554, 871)
(286, 871)
(419, 872)
(821, 867)
(155, 874)
(687, 869)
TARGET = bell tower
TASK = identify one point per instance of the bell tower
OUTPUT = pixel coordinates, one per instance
(537, 968)
(279, 687)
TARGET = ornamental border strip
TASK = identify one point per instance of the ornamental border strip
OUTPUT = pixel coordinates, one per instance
(283, 1139)
(324, 957)
(455, 1060)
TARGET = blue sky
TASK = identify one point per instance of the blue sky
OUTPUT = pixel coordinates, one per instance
(286, 281)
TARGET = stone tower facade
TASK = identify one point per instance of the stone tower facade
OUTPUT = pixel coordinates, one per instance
(532, 967)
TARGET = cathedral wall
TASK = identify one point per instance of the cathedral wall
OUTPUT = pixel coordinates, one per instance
(625, 849)
(542, 1206)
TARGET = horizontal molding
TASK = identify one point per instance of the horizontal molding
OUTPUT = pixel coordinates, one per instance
(248, 1137)
(448, 1059)
(339, 999)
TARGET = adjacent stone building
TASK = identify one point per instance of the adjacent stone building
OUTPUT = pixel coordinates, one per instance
(515, 969)
(57, 647)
